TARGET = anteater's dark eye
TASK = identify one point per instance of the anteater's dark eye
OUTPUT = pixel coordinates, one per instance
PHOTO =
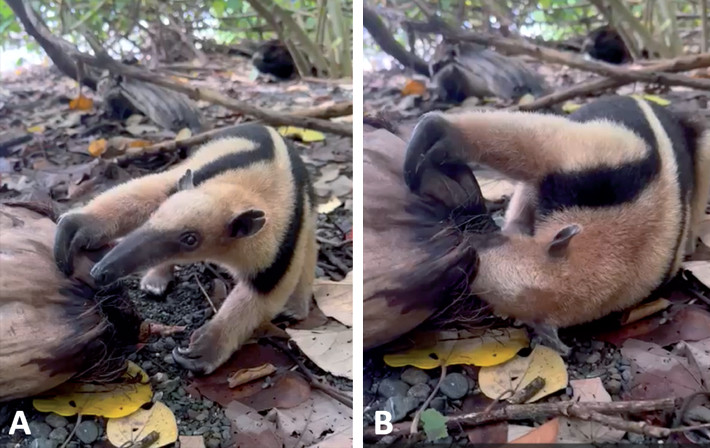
(189, 240)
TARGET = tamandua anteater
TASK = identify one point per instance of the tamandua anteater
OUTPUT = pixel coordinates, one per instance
(606, 207)
(243, 202)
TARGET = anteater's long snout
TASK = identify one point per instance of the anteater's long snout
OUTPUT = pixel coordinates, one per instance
(141, 249)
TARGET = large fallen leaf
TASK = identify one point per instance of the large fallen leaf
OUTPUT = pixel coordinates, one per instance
(335, 299)
(309, 422)
(287, 389)
(305, 135)
(504, 380)
(657, 373)
(579, 431)
(546, 434)
(135, 427)
(111, 400)
(698, 353)
(700, 269)
(330, 347)
(487, 348)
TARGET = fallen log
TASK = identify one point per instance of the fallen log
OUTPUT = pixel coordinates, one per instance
(55, 328)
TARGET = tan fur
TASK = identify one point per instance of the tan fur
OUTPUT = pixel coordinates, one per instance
(543, 143)
(636, 241)
(265, 186)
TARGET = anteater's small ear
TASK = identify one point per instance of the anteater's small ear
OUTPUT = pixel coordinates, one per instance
(245, 224)
(186, 182)
(559, 245)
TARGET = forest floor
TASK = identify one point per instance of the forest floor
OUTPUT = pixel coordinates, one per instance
(646, 356)
(52, 160)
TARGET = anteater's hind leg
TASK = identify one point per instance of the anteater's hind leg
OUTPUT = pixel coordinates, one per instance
(520, 215)
(299, 302)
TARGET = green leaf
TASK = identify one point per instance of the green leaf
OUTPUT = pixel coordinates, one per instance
(434, 425)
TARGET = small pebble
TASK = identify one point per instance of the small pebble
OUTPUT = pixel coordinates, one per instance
(594, 358)
(168, 359)
(147, 365)
(392, 388)
(87, 432)
(59, 434)
(43, 443)
(414, 376)
(56, 421)
(598, 345)
(635, 438)
(399, 407)
(207, 403)
(213, 443)
(454, 386)
(169, 343)
(202, 416)
(201, 430)
(40, 430)
(438, 403)
(626, 375)
(419, 391)
(613, 387)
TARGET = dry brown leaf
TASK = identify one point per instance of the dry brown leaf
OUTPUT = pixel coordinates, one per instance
(81, 103)
(330, 347)
(413, 87)
(244, 376)
(579, 431)
(97, 147)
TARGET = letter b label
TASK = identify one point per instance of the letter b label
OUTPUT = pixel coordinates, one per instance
(383, 422)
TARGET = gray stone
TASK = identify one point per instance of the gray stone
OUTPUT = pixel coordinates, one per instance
(168, 359)
(87, 432)
(40, 430)
(419, 391)
(169, 386)
(59, 434)
(635, 438)
(414, 376)
(43, 443)
(207, 403)
(147, 365)
(399, 407)
(626, 375)
(698, 413)
(202, 416)
(594, 358)
(56, 421)
(201, 430)
(392, 388)
(169, 343)
(454, 386)
(598, 345)
(438, 403)
(613, 387)
(213, 443)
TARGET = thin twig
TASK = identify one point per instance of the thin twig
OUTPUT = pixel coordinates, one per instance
(415, 421)
(315, 382)
(207, 296)
(73, 431)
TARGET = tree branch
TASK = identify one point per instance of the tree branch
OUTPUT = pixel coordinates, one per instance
(384, 39)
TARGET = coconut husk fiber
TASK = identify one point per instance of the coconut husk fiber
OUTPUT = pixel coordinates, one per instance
(54, 328)
(419, 250)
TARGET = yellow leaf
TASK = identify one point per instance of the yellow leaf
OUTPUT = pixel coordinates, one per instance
(502, 381)
(126, 431)
(413, 87)
(36, 129)
(110, 400)
(97, 147)
(450, 347)
(526, 99)
(570, 107)
(81, 103)
(180, 79)
(657, 99)
(183, 134)
(305, 135)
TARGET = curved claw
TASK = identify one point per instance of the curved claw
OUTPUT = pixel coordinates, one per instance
(66, 243)
(187, 360)
(431, 135)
